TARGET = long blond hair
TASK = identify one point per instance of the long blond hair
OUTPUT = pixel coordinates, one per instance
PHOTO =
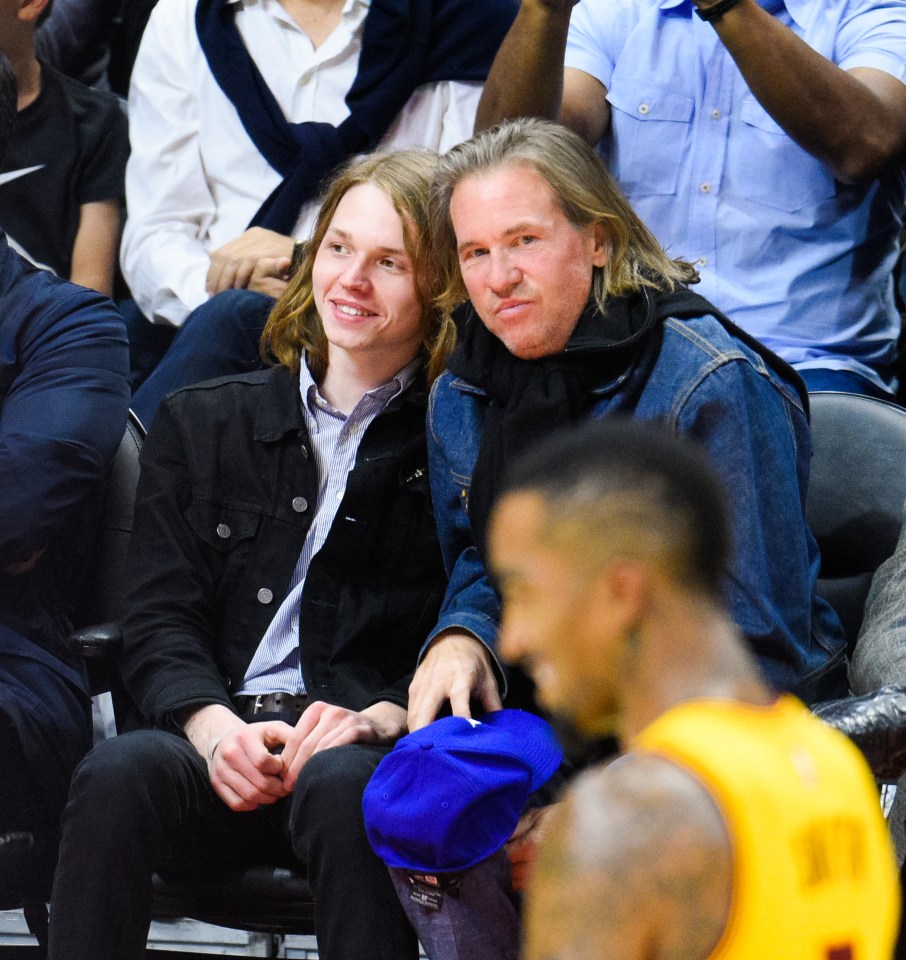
(585, 191)
(295, 325)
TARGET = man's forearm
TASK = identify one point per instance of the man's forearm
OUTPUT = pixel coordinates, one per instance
(526, 78)
(855, 123)
(389, 720)
(206, 726)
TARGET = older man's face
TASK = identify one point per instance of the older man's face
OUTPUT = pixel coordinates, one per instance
(527, 269)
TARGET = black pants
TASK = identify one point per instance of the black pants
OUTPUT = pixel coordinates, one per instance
(142, 803)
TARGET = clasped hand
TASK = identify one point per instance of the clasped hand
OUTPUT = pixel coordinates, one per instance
(251, 764)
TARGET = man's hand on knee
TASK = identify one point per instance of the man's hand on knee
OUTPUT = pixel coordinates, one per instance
(233, 264)
(325, 725)
(270, 276)
(457, 667)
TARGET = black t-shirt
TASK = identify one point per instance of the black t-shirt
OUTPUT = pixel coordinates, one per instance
(69, 147)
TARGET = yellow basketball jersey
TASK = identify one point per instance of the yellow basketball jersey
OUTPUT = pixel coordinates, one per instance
(813, 869)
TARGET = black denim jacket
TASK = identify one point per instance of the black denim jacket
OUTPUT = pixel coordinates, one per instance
(227, 489)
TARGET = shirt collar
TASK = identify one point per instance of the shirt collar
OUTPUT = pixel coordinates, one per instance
(348, 7)
(383, 394)
(353, 6)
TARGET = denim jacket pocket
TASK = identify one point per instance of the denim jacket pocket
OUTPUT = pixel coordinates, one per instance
(773, 169)
(651, 128)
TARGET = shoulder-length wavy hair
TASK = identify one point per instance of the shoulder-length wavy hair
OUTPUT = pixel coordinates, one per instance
(585, 191)
(295, 325)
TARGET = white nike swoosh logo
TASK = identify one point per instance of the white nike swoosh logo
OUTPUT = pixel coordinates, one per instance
(15, 174)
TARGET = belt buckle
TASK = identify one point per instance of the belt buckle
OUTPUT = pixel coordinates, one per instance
(258, 705)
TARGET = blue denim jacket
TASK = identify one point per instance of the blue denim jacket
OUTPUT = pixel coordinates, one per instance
(700, 381)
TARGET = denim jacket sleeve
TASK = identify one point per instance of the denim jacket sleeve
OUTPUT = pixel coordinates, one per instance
(757, 435)
(471, 602)
(64, 398)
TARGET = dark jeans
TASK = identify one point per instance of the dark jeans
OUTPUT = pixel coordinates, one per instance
(142, 803)
(844, 381)
(218, 339)
(477, 920)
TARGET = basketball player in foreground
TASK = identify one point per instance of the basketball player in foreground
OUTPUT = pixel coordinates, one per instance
(734, 824)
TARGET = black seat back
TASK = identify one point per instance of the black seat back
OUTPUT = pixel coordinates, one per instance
(856, 495)
(107, 576)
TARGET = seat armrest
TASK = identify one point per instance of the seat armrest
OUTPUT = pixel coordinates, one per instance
(876, 723)
(104, 641)
(26, 869)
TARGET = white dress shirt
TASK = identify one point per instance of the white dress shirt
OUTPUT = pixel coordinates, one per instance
(195, 179)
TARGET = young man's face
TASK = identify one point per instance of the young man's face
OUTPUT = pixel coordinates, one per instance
(527, 268)
(364, 282)
(556, 620)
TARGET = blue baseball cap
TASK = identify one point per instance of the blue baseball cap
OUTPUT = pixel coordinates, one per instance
(449, 795)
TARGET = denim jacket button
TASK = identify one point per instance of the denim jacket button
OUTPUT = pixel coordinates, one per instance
(223, 531)
(300, 504)
(265, 595)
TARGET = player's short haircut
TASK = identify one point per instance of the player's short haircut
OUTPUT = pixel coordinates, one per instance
(8, 97)
(618, 488)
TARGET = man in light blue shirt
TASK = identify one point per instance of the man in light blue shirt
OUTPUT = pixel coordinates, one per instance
(761, 141)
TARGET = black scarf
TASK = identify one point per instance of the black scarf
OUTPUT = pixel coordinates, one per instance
(531, 398)
(405, 43)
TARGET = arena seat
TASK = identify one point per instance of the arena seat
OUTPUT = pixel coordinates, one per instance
(856, 495)
(25, 868)
(274, 898)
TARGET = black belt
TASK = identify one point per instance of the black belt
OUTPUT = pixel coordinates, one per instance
(250, 706)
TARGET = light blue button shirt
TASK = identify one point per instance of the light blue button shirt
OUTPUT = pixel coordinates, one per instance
(796, 258)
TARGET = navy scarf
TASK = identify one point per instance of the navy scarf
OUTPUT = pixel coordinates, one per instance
(405, 43)
(529, 399)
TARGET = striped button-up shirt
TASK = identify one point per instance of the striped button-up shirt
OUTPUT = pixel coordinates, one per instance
(335, 437)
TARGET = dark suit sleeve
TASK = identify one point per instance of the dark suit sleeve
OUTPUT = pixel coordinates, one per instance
(63, 411)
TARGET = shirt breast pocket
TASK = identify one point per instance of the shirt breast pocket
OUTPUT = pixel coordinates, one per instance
(651, 131)
(771, 168)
